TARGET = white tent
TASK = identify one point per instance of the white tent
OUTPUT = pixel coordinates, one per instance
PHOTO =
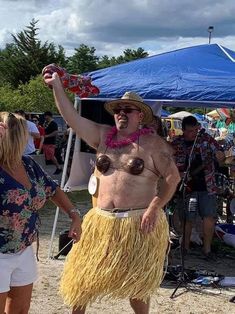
(180, 115)
(213, 114)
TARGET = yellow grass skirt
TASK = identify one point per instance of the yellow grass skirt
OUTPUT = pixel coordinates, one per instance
(114, 258)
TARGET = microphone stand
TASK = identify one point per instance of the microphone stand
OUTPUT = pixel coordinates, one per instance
(183, 280)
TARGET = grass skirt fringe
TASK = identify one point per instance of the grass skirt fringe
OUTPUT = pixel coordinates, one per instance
(113, 258)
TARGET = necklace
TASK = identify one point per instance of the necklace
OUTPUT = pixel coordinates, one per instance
(111, 143)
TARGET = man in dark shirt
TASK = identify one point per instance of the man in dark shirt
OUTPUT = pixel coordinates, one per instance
(51, 130)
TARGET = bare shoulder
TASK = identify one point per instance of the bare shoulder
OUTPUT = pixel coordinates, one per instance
(162, 156)
(160, 146)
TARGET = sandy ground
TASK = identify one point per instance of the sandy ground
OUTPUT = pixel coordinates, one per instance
(46, 300)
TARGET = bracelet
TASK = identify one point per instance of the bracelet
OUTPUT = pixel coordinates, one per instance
(74, 210)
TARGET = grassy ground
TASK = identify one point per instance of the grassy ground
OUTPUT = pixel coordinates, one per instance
(76, 197)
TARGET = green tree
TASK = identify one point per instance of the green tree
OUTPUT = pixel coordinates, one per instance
(131, 54)
(106, 61)
(6, 97)
(35, 96)
(27, 55)
(84, 60)
(128, 55)
(32, 97)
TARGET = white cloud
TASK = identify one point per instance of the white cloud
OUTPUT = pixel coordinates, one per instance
(114, 25)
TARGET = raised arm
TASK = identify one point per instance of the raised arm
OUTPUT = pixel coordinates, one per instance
(88, 130)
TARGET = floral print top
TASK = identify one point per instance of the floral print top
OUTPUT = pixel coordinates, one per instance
(206, 146)
(19, 220)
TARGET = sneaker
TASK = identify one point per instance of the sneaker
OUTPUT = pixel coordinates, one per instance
(58, 171)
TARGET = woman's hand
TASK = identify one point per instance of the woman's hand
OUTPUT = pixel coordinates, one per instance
(62, 201)
(75, 230)
(3, 128)
(149, 220)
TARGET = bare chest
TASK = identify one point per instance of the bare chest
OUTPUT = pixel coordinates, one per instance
(133, 159)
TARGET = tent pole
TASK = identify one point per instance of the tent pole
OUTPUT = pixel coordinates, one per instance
(62, 184)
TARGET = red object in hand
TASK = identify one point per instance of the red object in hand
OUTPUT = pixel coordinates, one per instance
(77, 84)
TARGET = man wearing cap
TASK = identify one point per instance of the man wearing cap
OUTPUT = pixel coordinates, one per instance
(125, 237)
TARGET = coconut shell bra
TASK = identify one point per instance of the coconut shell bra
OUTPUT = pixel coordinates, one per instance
(134, 165)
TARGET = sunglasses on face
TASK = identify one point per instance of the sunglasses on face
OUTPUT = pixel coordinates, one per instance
(125, 110)
(35, 120)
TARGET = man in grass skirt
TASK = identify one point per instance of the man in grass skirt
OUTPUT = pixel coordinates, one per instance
(125, 236)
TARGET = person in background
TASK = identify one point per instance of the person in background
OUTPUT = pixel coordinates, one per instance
(33, 134)
(201, 183)
(51, 131)
(158, 126)
(38, 142)
(227, 123)
(24, 188)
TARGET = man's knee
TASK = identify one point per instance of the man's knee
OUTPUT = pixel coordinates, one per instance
(209, 220)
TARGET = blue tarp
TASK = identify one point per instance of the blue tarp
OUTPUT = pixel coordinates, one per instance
(191, 77)
(165, 113)
(199, 116)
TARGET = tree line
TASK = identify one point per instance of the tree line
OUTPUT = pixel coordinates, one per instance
(22, 61)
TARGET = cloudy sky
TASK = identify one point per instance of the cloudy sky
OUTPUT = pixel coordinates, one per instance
(114, 25)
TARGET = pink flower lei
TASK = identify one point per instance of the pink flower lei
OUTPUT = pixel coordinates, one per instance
(111, 143)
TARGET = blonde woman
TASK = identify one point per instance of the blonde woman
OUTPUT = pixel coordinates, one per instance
(24, 188)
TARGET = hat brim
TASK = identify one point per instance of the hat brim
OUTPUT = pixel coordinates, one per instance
(147, 111)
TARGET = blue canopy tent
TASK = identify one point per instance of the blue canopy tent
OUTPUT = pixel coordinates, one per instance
(199, 76)
(164, 113)
(199, 116)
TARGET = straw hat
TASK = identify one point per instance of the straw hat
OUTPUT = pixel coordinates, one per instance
(131, 98)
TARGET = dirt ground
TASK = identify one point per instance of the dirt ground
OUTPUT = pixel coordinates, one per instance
(46, 300)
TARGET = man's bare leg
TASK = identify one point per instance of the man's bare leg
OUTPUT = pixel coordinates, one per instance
(79, 310)
(55, 162)
(229, 215)
(187, 234)
(208, 232)
(139, 306)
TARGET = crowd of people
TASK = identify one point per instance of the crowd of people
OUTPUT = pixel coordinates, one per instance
(120, 249)
(42, 137)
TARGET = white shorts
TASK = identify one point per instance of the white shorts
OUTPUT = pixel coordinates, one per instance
(18, 269)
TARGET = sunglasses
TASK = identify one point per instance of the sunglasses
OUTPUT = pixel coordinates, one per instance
(125, 110)
(35, 120)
